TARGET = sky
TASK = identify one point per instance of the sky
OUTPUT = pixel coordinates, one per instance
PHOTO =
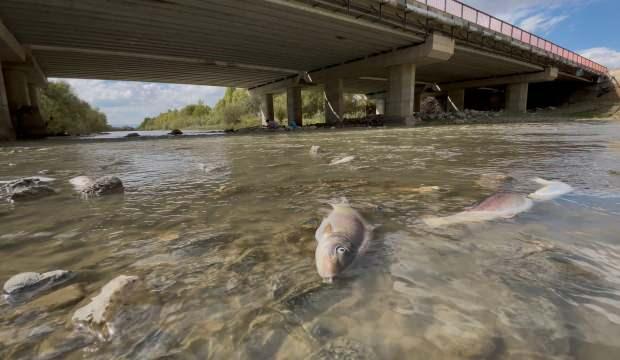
(589, 27)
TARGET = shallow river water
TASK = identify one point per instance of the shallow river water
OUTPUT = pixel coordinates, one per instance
(221, 232)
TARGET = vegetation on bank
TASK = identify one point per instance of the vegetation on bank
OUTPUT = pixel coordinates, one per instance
(66, 113)
(237, 109)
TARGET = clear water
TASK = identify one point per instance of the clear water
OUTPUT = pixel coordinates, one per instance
(220, 230)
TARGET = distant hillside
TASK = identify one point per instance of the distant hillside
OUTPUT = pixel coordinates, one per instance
(66, 113)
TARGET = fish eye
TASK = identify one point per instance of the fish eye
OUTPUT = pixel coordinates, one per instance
(341, 250)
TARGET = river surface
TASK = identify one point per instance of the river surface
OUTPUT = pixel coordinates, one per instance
(220, 230)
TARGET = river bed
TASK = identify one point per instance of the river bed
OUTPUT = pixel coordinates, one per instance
(220, 231)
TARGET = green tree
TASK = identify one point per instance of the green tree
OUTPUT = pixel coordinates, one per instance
(66, 113)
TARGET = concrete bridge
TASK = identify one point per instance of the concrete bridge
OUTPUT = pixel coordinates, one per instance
(390, 49)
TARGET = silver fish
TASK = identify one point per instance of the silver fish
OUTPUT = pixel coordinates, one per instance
(341, 237)
(500, 205)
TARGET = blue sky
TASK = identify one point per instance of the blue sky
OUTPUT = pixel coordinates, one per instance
(589, 27)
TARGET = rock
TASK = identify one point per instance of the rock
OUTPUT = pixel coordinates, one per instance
(345, 349)
(493, 181)
(105, 185)
(29, 188)
(614, 172)
(98, 312)
(458, 336)
(58, 299)
(26, 285)
(176, 132)
(133, 134)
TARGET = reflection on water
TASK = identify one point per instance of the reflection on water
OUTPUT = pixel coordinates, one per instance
(221, 230)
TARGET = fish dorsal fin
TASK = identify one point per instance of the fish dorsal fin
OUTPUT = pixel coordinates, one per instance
(328, 229)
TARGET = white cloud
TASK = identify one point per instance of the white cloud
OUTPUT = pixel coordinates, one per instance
(128, 103)
(602, 55)
(537, 16)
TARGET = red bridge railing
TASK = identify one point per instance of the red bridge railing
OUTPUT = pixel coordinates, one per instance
(480, 18)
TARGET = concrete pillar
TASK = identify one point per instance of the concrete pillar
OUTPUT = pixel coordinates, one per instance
(17, 89)
(26, 117)
(400, 99)
(334, 101)
(7, 132)
(380, 106)
(516, 98)
(456, 100)
(33, 91)
(417, 101)
(293, 105)
(266, 108)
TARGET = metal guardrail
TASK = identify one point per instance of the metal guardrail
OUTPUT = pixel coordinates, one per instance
(480, 18)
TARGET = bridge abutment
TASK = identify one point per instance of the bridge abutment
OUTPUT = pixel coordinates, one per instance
(293, 105)
(334, 101)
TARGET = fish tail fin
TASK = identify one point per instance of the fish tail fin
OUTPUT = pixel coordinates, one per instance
(541, 181)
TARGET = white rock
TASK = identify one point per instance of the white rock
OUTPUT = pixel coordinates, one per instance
(314, 150)
(32, 280)
(96, 312)
(81, 182)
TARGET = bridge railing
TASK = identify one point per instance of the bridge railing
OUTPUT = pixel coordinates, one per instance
(480, 18)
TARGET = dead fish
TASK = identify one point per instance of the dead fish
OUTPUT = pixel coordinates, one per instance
(344, 160)
(497, 206)
(341, 237)
(551, 189)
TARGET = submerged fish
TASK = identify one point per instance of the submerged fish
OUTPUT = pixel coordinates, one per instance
(341, 237)
(551, 189)
(344, 160)
(497, 206)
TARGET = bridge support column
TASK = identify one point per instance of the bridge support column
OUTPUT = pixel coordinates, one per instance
(516, 98)
(401, 91)
(334, 101)
(417, 101)
(7, 132)
(266, 108)
(293, 105)
(24, 105)
(456, 100)
(380, 106)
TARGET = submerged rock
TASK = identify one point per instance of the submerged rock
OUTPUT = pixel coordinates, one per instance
(459, 336)
(96, 314)
(28, 188)
(175, 132)
(28, 284)
(494, 181)
(105, 185)
(343, 348)
(133, 134)
(58, 299)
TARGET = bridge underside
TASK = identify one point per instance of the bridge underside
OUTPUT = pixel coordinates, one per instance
(249, 44)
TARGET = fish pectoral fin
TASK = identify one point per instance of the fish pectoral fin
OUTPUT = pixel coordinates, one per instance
(328, 229)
